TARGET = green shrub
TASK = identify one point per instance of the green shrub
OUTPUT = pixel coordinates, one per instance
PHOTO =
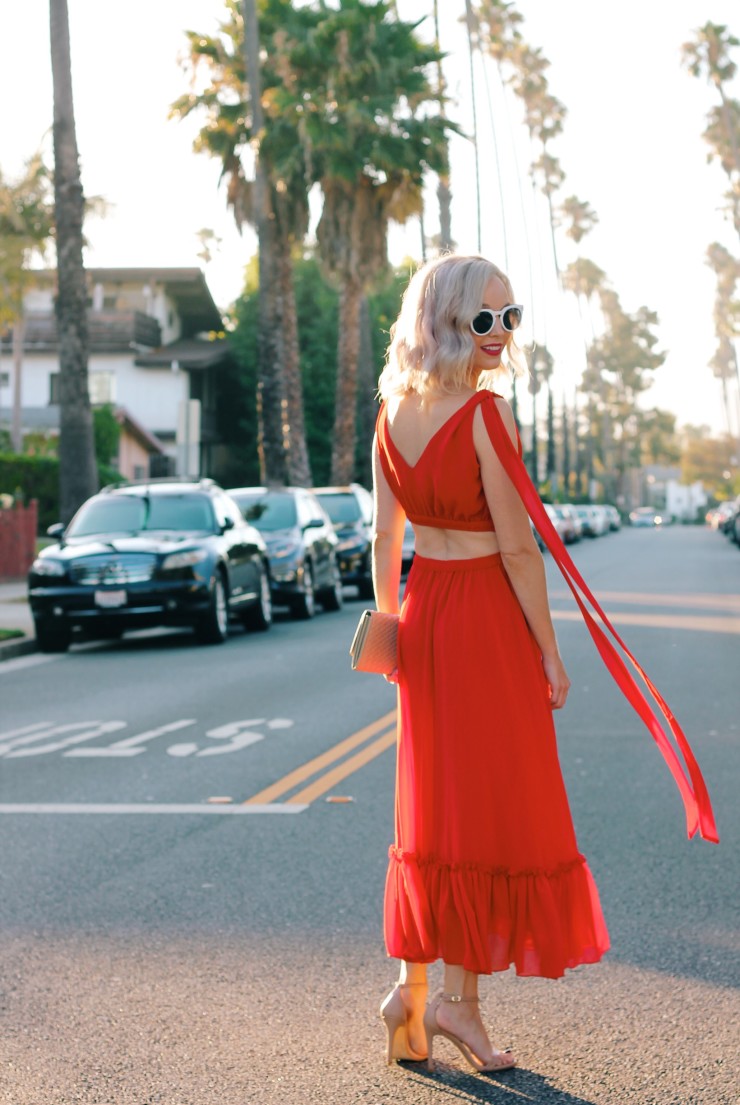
(38, 478)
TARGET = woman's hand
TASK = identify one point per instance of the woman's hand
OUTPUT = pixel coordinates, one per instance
(557, 680)
(392, 676)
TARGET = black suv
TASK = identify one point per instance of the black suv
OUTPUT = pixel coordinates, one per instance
(351, 511)
(153, 553)
(301, 544)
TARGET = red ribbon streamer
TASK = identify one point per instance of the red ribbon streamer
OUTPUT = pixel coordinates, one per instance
(693, 790)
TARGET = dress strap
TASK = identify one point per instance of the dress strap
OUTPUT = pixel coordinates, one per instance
(693, 790)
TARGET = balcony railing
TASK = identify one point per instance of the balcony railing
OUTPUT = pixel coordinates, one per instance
(108, 332)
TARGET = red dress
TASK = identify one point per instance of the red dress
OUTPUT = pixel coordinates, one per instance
(485, 871)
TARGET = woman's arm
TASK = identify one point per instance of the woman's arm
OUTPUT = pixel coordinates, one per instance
(521, 557)
(388, 525)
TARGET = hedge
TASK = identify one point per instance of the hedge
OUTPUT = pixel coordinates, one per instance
(38, 478)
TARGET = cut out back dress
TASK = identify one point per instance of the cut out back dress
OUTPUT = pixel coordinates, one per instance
(485, 871)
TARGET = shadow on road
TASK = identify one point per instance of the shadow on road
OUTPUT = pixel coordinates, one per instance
(506, 1088)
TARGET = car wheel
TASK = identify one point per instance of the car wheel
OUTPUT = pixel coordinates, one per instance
(333, 598)
(304, 605)
(365, 589)
(54, 637)
(259, 616)
(213, 627)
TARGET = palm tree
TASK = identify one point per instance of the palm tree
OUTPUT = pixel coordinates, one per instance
(275, 201)
(585, 280)
(726, 321)
(78, 477)
(359, 85)
(444, 192)
(709, 53)
(26, 223)
(578, 216)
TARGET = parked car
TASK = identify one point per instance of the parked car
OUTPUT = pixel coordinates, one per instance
(301, 544)
(408, 549)
(536, 534)
(351, 512)
(570, 524)
(614, 517)
(730, 524)
(719, 514)
(589, 522)
(557, 521)
(145, 554)
(645, 516)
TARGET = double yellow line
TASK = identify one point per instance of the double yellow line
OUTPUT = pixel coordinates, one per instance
(326, 781)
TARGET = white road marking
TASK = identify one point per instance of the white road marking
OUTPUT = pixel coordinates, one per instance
(144, 808)
(25, 741)
(130, 746)
(24, 729)
(241, 740)
(100, 727)
(48, 729)
(9, 666)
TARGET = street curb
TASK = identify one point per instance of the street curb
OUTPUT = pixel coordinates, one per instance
(21, 646)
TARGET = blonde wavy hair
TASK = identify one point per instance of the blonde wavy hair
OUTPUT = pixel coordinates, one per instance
(431, 346)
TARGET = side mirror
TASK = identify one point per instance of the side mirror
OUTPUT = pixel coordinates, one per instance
(315, 523)
(56, 531)
(228, 523)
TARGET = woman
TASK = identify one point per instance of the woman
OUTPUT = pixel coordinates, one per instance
(485, 871)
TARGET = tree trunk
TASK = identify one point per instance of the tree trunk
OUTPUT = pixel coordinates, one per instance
(343, 449)
(78, 478)
(367, 406)
(566, 451)
(534, 460)
(299, 467)
(271, 444)
(552, 475)
(271, 416)
(730, 132)
(444, 195)
(19, 333)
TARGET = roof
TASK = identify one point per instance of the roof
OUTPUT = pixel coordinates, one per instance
(146, 439)
(188, 353)
(186, 286)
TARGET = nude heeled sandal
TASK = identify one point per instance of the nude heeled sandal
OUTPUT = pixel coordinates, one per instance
(500, 1060)
(395, 1017)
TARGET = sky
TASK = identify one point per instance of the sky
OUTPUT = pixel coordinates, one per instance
(631, 147)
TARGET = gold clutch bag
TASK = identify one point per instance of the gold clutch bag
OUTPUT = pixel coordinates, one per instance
(375, 643)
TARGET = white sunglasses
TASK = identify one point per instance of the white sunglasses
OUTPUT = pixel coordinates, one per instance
(485, 320)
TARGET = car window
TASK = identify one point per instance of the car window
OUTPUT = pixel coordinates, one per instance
(119, 514)
(307, 510)
(268, 511)
(226, 508)
(341, 507)
(136, 513)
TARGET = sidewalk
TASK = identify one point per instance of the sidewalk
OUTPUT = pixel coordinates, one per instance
(15, 614)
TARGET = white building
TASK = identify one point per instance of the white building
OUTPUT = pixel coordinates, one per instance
(150, 350)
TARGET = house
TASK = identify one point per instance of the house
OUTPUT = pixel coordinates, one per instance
(152, 355)
(660, 486)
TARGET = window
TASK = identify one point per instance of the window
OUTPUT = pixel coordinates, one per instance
(4, 379)
(102, 387)
(54, 389)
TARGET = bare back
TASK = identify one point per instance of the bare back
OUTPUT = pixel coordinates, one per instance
(414, 426)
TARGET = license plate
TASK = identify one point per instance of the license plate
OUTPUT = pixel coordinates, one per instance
(110, 599)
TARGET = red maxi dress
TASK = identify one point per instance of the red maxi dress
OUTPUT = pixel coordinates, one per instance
(485, 870)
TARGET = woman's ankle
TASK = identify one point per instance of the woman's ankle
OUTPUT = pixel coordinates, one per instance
(413, 974)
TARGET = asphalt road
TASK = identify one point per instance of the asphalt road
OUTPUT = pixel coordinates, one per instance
(158, 947)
